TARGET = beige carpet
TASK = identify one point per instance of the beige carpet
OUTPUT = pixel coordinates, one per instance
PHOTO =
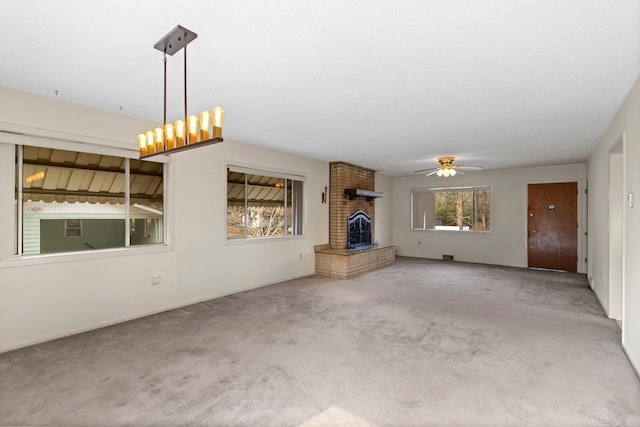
(418, 343)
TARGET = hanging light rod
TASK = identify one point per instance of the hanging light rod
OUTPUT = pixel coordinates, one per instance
(187, 133)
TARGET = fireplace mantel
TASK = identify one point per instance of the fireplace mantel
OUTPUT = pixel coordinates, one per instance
(355, 192)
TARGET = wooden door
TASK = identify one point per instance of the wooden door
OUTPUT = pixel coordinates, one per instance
(553, 226)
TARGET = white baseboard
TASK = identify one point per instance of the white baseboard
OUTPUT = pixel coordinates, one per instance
(29, 343)
(606, 309)
(91, 328)
(633, 364)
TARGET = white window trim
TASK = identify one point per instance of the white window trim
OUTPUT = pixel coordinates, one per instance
(11, 260)
(268, 239)
(18, 261)
(242, 167)
(266, 172)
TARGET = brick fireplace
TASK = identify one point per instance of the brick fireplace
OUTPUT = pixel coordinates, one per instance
(352, 211)
(345, 177)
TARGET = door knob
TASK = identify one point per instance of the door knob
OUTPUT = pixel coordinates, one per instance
(534, 231)
(530, 214)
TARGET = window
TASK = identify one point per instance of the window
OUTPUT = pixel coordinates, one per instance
(146, 202)
(73, 228)
(465, 209)
(263, 204)
(75, 201)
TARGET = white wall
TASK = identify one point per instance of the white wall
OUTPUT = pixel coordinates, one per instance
(206, 263)
(616, 234)
(384, 211)
(506, 244)
(50, 296)
(626, 126)
(41, 115)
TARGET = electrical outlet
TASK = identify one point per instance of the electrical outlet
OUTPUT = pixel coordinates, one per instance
(155, 279)
(300, 255)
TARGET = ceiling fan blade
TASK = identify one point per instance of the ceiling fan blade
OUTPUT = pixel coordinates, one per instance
(469, 167)
(424, 170)
(432, 172)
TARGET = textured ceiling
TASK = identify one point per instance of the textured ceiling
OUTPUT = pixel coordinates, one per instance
(389, 85)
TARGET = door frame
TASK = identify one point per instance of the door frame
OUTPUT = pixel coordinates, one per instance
(582, 226)
(617, 148)
(615, 229)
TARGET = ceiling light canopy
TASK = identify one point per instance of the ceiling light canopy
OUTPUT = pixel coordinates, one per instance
(190, 131)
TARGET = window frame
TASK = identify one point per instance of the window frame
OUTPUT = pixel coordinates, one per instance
(272, 173)
(450, 189)
(67, 228)
(63, 256)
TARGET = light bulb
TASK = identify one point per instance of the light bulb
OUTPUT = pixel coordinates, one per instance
(445, 173)
(180, 133)
(192, 128)
(205, 125)
(440, 172)
(170, 135)
(151, 146)
(452, 172)
(158, 134)
(142, 142)
(218, 118)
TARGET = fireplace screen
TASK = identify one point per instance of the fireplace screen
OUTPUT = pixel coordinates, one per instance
(359, 230)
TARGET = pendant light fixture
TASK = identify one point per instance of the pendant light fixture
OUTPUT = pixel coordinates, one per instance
(190, 131)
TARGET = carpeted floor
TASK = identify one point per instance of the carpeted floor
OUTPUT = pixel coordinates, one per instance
(415, 344)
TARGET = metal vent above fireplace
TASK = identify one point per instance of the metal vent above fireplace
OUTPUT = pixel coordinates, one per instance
(368, 194)
(358, 230)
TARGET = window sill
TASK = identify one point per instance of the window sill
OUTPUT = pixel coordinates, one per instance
(29, 260)
(272, 239)
(453, 231)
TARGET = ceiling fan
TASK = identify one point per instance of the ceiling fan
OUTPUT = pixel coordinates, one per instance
(447, 169)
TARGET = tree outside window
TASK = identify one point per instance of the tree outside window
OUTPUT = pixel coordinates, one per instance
(466, 209)
(262, 205)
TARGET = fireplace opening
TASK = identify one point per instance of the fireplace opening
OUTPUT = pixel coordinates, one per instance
(359, 230)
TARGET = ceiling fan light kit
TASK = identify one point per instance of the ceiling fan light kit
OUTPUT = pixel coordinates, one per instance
(447, 169)
(446, 172)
